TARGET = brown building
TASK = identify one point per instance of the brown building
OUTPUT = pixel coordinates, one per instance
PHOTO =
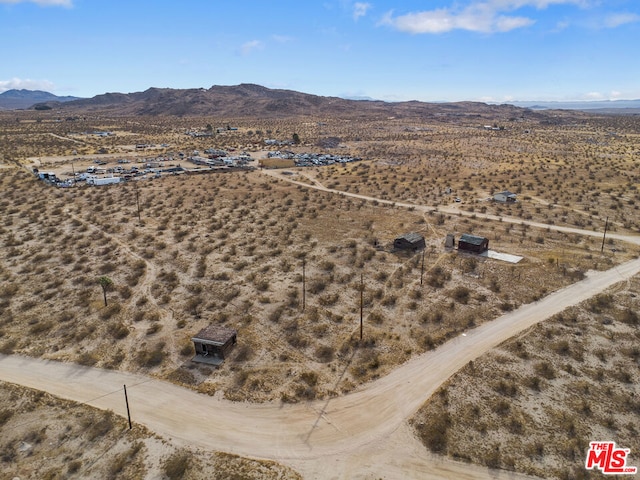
(213, 344)
(472, 243)
(409, 241)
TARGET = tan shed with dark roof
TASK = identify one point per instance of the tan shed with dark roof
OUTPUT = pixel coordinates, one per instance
(409, 241)
(213, 344)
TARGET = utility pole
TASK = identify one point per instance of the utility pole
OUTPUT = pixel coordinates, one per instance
(138, 203)
(606, 224)
(361, 301)
(304, 289)
(422, 267)
(127, 402)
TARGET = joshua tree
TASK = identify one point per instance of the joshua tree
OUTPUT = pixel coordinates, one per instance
(106, 283)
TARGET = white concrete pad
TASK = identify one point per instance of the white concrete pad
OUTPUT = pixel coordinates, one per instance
(505, 257)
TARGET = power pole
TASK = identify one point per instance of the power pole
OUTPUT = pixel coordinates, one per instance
(361, 301)
(304, 290)
(606, 224)
(127, 402)
(138, 203)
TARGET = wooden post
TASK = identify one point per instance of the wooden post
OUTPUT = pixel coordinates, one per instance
(606, 224)
(422, 267)
(127, 402)
(361, 301)
(304, 290)
(138, 202)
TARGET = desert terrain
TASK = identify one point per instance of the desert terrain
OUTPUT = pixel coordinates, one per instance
(228, 249)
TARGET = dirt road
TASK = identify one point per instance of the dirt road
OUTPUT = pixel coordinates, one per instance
(322, 439)
(635, 239)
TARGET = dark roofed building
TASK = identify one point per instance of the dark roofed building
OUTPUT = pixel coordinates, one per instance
(213, 344)
(409, 241)
(472, 243)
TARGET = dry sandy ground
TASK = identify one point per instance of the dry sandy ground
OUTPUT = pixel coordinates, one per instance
(360, 435)
(453, 210)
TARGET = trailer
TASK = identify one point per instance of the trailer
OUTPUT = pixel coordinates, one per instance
(93, 180)
(47, 176)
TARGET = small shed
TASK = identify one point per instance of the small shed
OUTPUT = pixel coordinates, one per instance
(213, 344)
(450, 241)
(505, 197)
(409, 241)
(473, 243)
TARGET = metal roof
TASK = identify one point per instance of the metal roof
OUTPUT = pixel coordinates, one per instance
(411, 237)
(215, 335)
(472, 239)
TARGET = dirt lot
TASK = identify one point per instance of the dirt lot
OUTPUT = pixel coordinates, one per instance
(228, 248)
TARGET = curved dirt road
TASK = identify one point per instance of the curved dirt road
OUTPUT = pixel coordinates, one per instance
(635, 239)
(322, 439)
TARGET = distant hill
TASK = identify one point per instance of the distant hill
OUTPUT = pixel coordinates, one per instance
(256, 101)
(602, 106)
(21, 99)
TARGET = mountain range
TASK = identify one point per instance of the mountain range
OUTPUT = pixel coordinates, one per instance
(21, 99)
(257, 101)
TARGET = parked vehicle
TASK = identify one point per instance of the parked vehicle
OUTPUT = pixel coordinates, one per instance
(102, 180)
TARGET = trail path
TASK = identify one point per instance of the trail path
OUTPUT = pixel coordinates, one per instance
(143, 288)
(451, 210)
(337, 438)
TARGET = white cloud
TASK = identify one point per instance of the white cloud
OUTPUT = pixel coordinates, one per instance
(27, 84)
(282, 38)
(42, 3)
(488, 16)
(617, 19)
(251, 46)
(360, 9)
(594, 96)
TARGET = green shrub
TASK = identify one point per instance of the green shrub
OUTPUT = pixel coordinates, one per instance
(433, 431)
(5, 415)
(545, 369)
(176, 465)
(151, 358)
(118, 330)
(100, 427)
(461, 294)
(325, 353)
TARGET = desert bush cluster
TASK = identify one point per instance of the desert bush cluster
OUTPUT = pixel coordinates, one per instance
(229, 248)
(534, 403)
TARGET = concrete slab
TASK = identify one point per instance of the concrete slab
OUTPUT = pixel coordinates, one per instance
(505, 257)
(209, 360)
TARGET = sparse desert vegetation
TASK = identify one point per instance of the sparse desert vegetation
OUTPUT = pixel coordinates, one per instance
(534, 403)
(49, 438)
(228, 249)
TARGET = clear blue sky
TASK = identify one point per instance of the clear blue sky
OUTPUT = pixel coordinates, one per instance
(430, 50)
